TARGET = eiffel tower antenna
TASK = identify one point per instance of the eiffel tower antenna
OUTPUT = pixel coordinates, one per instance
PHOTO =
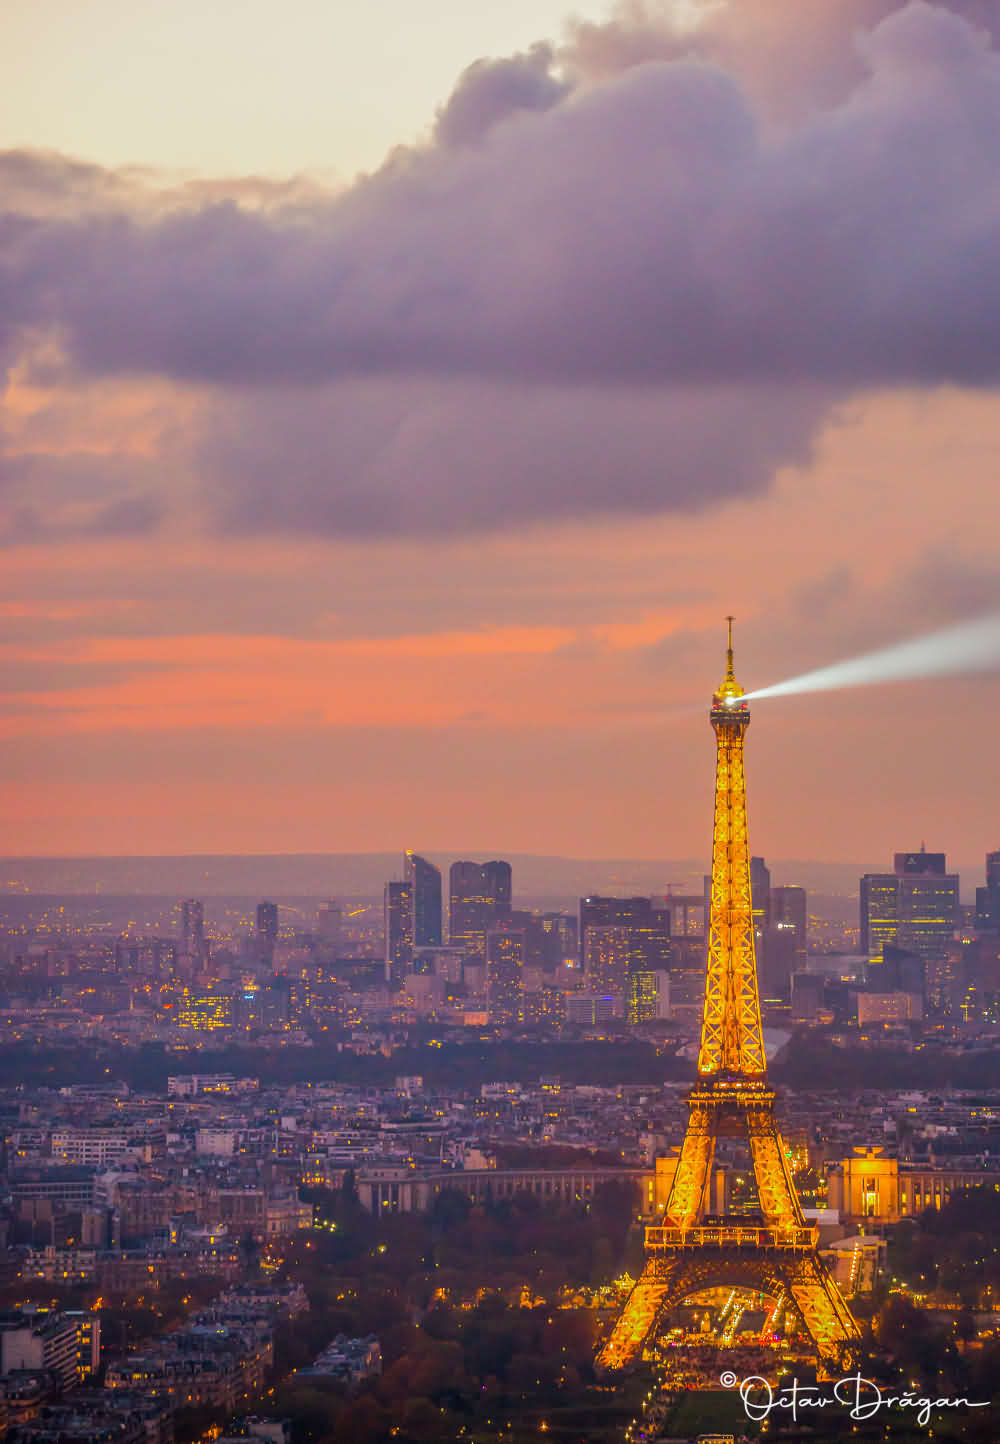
(775, 1253)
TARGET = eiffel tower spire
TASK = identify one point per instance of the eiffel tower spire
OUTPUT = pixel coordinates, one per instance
(776, 1251)
(732, 1038)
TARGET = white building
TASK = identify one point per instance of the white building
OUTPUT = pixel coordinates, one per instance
(94, 1148)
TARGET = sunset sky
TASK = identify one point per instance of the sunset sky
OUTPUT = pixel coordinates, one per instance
(397, 398)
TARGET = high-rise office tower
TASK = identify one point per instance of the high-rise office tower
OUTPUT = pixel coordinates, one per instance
(915, 907)
(561, 934)
(785, 940)
(267, 921)
(330, 924)
(788, 909)
(425, 891)
(398, 904)
(538, 943)
(480, 895)
(988, 897)
(648, 928)
(194, 950)
(760, 894)
(897, 971)
(648, 996)
(807, 997)
(505, 974)
(607, 957)
(266, 934)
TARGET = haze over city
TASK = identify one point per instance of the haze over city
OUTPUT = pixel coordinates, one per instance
(394, 411)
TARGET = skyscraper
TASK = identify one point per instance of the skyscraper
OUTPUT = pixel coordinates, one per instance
(897, 972)
(194, 950)
(760, 895)
(788, 910)
(561, 933)
(505, 974)
(330, 924)
(398, 905)
(807, 997)
(648, 996)
(648, 929)
(480, 894)
(266, 932)
(607, 957)
(425, 891)
(267, 921)
(988, 897)
(785, 940)
(915, 907)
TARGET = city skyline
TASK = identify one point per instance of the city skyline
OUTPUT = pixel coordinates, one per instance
(771, 1222)
(441, 551)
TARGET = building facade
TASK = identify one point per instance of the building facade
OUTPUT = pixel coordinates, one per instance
(398, 912)
(424, 880)
(914, 908)
(479, 896)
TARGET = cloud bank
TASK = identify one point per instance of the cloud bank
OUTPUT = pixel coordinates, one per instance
(631, 275)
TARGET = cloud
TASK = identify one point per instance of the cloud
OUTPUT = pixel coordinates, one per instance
(634, 295)
(791, 59)
(78, 495)
(489, 91)
(816, 597)
(950, 586)
(363, 459)
(641, 229)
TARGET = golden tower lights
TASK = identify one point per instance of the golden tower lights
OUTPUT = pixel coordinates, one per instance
(691, 1251)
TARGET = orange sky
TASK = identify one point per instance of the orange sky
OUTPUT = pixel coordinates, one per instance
(541, 692)
(347, 515)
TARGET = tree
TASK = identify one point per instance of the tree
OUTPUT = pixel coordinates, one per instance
(450, 1209)
(362, 1422)
(602, 1262)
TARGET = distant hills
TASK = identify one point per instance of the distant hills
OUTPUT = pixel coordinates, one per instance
(363, 874)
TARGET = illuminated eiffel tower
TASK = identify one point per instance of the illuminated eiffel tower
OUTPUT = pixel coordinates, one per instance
(775, 1252)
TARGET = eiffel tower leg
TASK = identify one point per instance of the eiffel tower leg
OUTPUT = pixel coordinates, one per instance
(635, 1323)
(826, 1318)
(689, 1189)
(774, 1182)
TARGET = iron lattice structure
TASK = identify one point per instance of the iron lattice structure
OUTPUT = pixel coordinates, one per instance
(775, 1253)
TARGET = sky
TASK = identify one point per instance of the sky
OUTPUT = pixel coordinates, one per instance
(397, 398)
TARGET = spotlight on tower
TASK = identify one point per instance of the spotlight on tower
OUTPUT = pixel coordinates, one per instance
(971, 647)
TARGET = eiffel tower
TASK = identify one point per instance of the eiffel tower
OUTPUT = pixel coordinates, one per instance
(775, 1252)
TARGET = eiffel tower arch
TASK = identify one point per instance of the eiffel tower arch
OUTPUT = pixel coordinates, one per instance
(692, 1250)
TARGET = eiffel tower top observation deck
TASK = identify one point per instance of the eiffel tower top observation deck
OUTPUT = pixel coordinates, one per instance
(732, 1042)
